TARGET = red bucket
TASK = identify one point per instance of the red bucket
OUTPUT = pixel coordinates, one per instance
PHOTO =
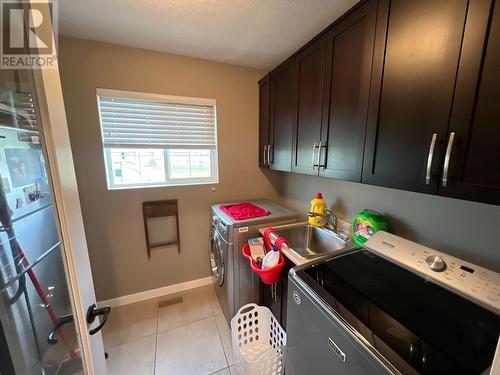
(269, 275)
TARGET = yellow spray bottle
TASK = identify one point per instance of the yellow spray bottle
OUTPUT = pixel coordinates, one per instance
(318, 205)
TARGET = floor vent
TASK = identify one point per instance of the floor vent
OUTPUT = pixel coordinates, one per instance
(170, 302)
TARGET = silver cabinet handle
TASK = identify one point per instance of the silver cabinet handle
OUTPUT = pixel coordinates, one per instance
(265, 154)
(321, 146)
(315, 146)
(446, 165)
(429, 159)
(319, 154)
(269, 162)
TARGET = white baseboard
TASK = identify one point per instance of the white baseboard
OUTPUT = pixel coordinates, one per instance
(155, 293)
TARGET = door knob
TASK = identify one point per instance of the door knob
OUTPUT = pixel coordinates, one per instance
(93, 312)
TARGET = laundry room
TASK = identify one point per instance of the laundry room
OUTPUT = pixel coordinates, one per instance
(249, 187)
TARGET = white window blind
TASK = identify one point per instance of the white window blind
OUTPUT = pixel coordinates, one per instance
(157, 140)
(136, 120)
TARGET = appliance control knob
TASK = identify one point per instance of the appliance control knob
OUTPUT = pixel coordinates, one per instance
(435, 263)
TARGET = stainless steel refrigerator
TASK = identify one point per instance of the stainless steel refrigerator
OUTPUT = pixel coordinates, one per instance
(37, 332)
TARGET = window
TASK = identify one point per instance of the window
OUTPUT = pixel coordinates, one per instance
(157, 140)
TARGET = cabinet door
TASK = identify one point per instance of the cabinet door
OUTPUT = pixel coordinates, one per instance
(412, 96)
(272, 299)
(284, 290)
(349, 61)
(307, 129)
(283, 115)
(264, 106)
(474, 153)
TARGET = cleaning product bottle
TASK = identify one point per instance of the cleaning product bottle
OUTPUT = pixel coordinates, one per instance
(318, 206)
(271, 259)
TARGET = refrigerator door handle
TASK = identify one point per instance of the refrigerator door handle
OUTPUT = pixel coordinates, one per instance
(62, 320)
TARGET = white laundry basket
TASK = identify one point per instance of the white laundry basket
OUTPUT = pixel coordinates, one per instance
(259, 342)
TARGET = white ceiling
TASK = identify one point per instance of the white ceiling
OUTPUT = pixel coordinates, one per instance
(253, 33)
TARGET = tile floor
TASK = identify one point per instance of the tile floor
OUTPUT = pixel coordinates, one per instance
(183, 334)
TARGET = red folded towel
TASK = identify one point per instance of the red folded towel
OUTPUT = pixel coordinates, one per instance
(242, 211)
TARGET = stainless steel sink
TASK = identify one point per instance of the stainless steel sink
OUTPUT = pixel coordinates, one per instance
(307, 241)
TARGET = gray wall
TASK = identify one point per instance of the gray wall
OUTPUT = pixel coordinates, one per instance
(465, 229)
(113, 219)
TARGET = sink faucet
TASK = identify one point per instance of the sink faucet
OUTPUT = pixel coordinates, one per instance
(329, 219)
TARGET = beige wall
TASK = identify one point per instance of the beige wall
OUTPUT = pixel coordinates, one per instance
(113, 219)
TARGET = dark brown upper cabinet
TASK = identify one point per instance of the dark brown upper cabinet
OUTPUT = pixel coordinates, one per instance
(264, 125)
(310, 67)
(283, 115)
(412, 94)
(396, 93)
(349, 52)
(472, 167)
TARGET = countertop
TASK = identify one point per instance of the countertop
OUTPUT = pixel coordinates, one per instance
(342, 226)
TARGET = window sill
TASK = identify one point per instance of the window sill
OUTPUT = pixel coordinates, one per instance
(181, 184)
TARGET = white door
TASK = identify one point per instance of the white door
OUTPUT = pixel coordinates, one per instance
(46, 286)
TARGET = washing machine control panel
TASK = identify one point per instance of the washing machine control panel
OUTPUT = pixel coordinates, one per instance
(435, 263)
(473, 282)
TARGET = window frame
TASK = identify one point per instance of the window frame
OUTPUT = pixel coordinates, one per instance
(188, 181)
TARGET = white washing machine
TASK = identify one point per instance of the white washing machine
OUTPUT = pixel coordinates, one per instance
(393, 307)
